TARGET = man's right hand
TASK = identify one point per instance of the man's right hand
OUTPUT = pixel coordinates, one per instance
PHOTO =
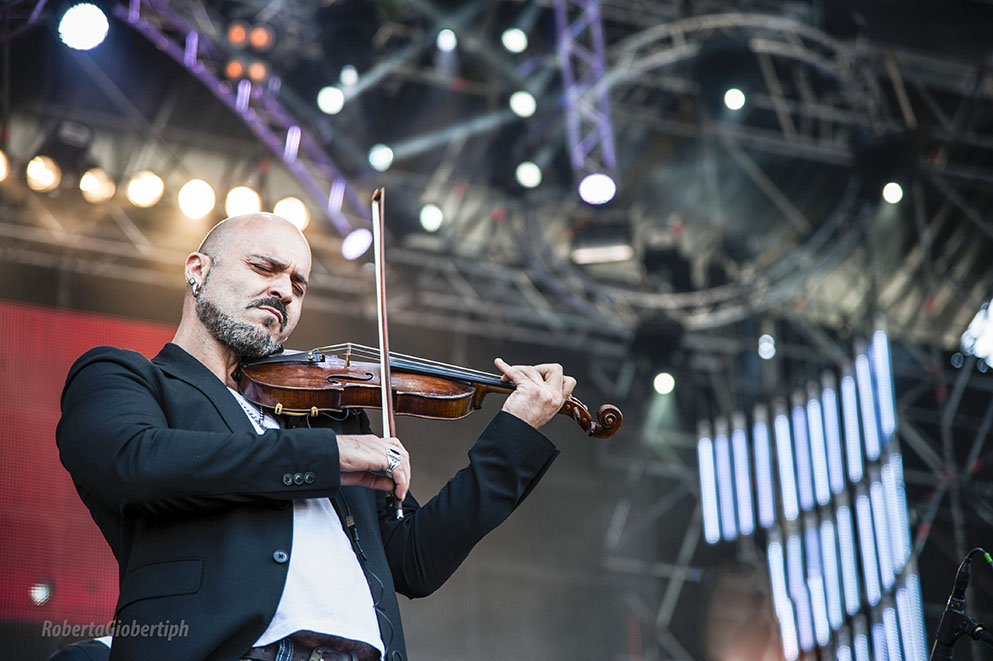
(360, 454)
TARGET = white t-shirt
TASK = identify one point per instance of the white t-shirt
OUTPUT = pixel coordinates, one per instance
(326, 590)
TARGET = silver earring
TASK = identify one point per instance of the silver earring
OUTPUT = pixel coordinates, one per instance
(195, 287)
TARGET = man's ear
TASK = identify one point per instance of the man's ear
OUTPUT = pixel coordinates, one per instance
(197, 266)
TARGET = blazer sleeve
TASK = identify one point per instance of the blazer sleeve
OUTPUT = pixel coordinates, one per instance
(116, 442)
(431, 541)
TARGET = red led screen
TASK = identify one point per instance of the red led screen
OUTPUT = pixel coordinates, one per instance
(55, 564)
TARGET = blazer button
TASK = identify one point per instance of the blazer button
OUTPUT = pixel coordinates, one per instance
(298, 479)
(287, 479)
(280, 556)
(309, 478)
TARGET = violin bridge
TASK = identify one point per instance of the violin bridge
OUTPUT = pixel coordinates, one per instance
(348, 355)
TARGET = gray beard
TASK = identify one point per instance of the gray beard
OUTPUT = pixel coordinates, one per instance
(246, 340)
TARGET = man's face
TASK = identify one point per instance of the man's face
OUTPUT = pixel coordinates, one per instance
(251, 297)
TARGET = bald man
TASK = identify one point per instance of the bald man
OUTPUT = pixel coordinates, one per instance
(240, 535)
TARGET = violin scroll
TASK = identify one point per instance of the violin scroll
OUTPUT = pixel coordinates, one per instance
(608, 418)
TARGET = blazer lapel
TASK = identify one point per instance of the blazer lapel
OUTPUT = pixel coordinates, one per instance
(176, 362)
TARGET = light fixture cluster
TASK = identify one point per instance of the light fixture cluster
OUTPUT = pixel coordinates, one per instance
(821, 475)
(144, 189)
(252, 41)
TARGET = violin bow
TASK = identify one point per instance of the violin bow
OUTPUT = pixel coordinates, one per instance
(386, 387)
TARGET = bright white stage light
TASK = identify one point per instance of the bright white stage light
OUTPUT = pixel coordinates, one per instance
(784, 457)
(40, 593)
(822, 629)
(446, 41)
(787, 631)
(880, 652)
(43, 174)
(528, 174)
(597, 188)
(832, 577)
(523, 104)
(664, 383)
(725, 487)
(801, 448)
(892, 634)
(781, 599)
(294, 210)
(356, 243)
(818, 451)
(832, 439)
(431, 217)
(708, 490)
(798, 591)
(742, 477)
(349, 75)
(381, 157)
(97, 186)
(905, 616)
(241, 200)
(881, 527)
(83, 27)
(867, 544)
(514, 40)
(879, 352)
(145, 189)
(853, 440)
(977, 340)
(734, 99)
(330, 100)
(767, 347)
(892, 192)
(843, 653)
(764, 489)
(847, 554)
(196, 199)
(913, 583)
(861, 647)
(896, 503)
(867, 407)
(4, 166)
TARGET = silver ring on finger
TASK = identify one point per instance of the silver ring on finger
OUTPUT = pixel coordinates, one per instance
(394, 459)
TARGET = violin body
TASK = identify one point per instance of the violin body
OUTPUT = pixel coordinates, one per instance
(341, 378)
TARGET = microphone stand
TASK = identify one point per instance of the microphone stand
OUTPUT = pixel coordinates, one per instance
(954, 621)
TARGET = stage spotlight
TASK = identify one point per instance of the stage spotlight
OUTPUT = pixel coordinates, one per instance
(349, 75)
(238, 34)
(767, 347)
(447, 41)
(240, 200)
(4, 166)
(145, 189)
(330, 100)
(97, 186)
(431, 217)
(734, 99)
(515, 40)
(528, 174)
(664, 383)
(356, 243)
(234, 69)
(196, 199)
(40, 593)
(892, 192)
(294, 210)
(262, 38)
(258, 71)
(597, 188)
(381, 157)
(44, 174)
(523, 104)
(83, 26)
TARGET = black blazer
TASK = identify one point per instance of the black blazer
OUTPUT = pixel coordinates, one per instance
(196, 505)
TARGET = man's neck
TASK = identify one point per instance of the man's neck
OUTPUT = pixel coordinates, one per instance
(216, 357)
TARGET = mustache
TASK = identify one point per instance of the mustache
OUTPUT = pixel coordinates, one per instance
(275, 304)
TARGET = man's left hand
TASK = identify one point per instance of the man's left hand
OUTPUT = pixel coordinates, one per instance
(541, 391)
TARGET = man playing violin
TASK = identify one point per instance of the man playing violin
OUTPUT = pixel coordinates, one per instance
(271, 538)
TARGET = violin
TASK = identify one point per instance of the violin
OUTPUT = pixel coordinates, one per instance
(346, 376)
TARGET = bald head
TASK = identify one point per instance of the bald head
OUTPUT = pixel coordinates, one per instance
(219, 240)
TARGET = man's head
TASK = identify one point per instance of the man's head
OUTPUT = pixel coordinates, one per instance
(247, 282)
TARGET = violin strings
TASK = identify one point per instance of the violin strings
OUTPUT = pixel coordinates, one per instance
(371, 353)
